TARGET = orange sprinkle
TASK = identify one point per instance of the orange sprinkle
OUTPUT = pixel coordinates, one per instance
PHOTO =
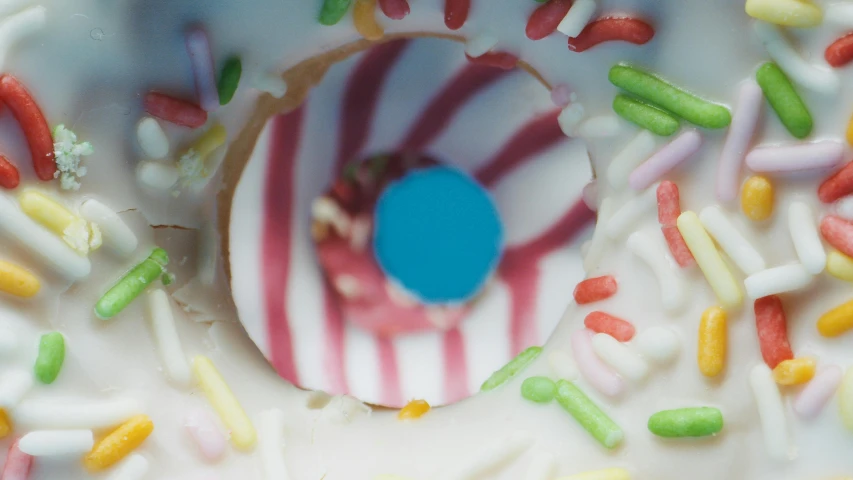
(713, 337)
(119, 443)
(414, 410)
(5, 424)
(364, 18)
(794, 372)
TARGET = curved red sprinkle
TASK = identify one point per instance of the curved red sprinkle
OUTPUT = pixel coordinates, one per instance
(772, 328)
(394, 9)
(611, 29)
(677, 246)
(502, 60)
(840, 52)
(456, 13)
(545, 19)
(32, 121)
(595, 289)
(838, 185)
(600, 322)
(175, 110)
(9, 176)
(838, 232)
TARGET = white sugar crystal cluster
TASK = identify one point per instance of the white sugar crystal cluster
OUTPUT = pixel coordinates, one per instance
(68, 153)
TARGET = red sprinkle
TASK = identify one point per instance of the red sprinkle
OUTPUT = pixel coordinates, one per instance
(772, 328)
(18, 464)
(669, 205)
(839, 233)
(600, 322)
(456, 13)
(174, 110)
(545, 19)
(502, 60)
(394, 9)
(610, 29)
(677, 246)
(840, 52)
(838, 185)
(32, 121)
(595, 289)
(9, 176)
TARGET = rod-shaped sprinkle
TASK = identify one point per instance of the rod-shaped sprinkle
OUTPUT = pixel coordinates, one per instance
(18, 281)
(713, 342)
(271, 425)
(605, 474)
(203, 429)
(659, 92)
(836, 321)
(790, 13)
(595, 289)
(204, 72)
(509, 370)
(624, 220)
(151, 138)
(587, 413)
(48, 443)
(771, 326)
(594, 371)
(757, 198)
(668, 157)
(132, 284)
(802, 226)
(134, 467)
(119, 443)
(616, 354)
(68, 413)
(815, 156)
(845, 399)
(814, 396)
(744, 122)
(719, 276)
(637, 151)
(729, 238)
(839, 266)
(117, 235)
(229, 79)
(771, 412)
(220, 396)
(784, 100)
(775, 280)
(50, 358)
(796, 371)
(333, 11)
(364, 19)
(645, 116)
(166, 335)
(18, 463)
(686, 422)
(810, 76)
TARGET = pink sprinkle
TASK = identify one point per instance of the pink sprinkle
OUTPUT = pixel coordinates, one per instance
(201, 60)
(665, 159)
(561, 95)
(811, 400)
(18, 464)
(208, 437)
(594, 371)
(795, 158)
(669, 203)
(744, 121)
(838, 232)
(590, 195)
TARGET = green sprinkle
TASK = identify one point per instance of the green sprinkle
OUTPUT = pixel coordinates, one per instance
(132, 284)
(514, 366)
(686, 422)
(591, 418)
(333, 11)
(50, 358)
(669, 97)
(645, 116)
(229, 79)
(538, 389)
(787, 104)
(168, 278)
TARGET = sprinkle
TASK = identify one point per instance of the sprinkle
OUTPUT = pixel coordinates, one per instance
(645, 116)
(744, 122)
(66, 413)
(620, 357)
(517, 364)
(202, 428)
(713, 338)
(134, 467)
(271, 443)
(593, 370)
(394, 9)
(414, 410)
(578, 17)
(48, 443)
(677, 246)
(28, 114)
(757, 198)
(598, 244)
(804, 233)
(845, 399)
(166, 336)
(333, 11)
(654, 253)
(174, 110)
(790, 13)
(14, 385)
(561, 95)
(610, 29)
(271, 83)
(151, 138)
(836, 321)
(784, 100)
(796, 371)
(456, 13)
(838, 185)
(780, 50)
(364, 19)
(843, 207)
(546, 18)
(595, 289)
(18, 26)
(480, 45)
(50, 358)
(840, 52)
(669, 204)
(729, 238)
(771, 411)
(665, 159)
(562, 365)
(796, 158)
(18, 281)
(229, 80)
(600, 322)
(222, 399)
(501, 60)
(589, 195)
(58, 219)
(632, 155)
(538, 389)
(117, 235)
(628, 215)
(686, 422)
(570, 118)
(157, 176)
(541, 467)
(131, 284)
(838, 232)
(119, 443)
(814, 396)
(695, 110)
(605, 474)
(18, 463)
(9, 175)
(488, 458)
(602, 126)
(588, 414)
(5, 424)
(719, 276)
(839, 266)
(772, 329)
(192, 165)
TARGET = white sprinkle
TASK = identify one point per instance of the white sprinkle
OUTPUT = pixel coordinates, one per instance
(804, 233)
(616, 354)
(632, 212)
(840, 14)
(602, 126)
(167, 339)
(134, 467)
(598, 243)
(772, 281)
(481, 44)
(15, 27)
(488, 458)
(589, 195)
(541, 467)
(117, 235)
(48, 443)
(845, 399)
(570, 117)
(654, 252)
(747, 112)
(205, 432)
(578, 17)
(208, 253)
(271, 444)
(563, 365)
(812, 77)
(8, 342)
(822, 155)
(13, 386)
(736, 246)
(271, 83)
(843, 207)
(771, 411)
(152, 138)
(61, 413)
(637, 151)
(157, 176)
(814, 396)
(658, 344)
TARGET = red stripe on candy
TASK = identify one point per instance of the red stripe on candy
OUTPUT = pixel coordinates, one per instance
(455, 367)
(389, 371)
(9, 176)
(595, 289)
(456, 13)
(334, 359)
(840, 52)
(772, 328)
(545, 19)
(837, 186)
(502, 60)
(838, 233)
(600, 322)
(29, 116)
(629, 30)
(175, 110)
(576, 218)
(394, 9)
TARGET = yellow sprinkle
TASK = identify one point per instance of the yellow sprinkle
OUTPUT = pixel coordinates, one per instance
(220, 396)
(713, 336)
(836, 321)
(53, 215)
(119, 443)
(790, 13)
(850, 131)
(845, 399)
(364, 17)
(17, 281)
(5, 424)
(210, 141)
(756, 198)
(727, 289)
(839, 265)
(606, 474)
(414, 410)
(794, 372)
